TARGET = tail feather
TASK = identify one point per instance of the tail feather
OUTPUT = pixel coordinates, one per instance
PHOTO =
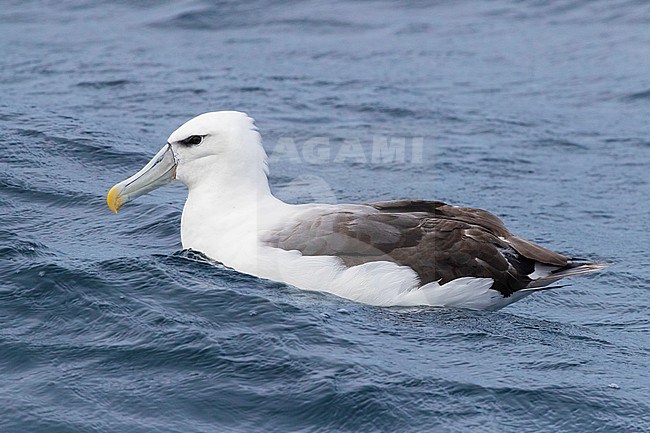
(572, 269)
(539, 289)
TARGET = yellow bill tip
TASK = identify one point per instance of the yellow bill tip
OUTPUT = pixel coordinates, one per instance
(113, 199)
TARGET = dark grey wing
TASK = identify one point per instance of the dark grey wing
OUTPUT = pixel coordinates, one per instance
(358, 233)
(438, 241)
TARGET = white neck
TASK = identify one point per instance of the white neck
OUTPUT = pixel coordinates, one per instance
(229, 208)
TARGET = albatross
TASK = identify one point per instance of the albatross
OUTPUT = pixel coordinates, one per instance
(393, 253)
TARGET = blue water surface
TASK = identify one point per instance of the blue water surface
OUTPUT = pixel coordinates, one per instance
(537, 111)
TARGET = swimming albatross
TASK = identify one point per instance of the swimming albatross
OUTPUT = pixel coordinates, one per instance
(407, 252)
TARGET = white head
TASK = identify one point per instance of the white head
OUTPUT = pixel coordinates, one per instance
(213, 150)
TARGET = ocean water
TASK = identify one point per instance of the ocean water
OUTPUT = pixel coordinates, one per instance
(537, 112)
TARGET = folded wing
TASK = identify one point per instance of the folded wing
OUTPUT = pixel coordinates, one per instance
(438, 241)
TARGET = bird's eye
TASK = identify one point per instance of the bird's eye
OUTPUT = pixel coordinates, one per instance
(193, 140)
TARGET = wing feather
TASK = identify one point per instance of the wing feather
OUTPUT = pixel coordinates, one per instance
(438, 241)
